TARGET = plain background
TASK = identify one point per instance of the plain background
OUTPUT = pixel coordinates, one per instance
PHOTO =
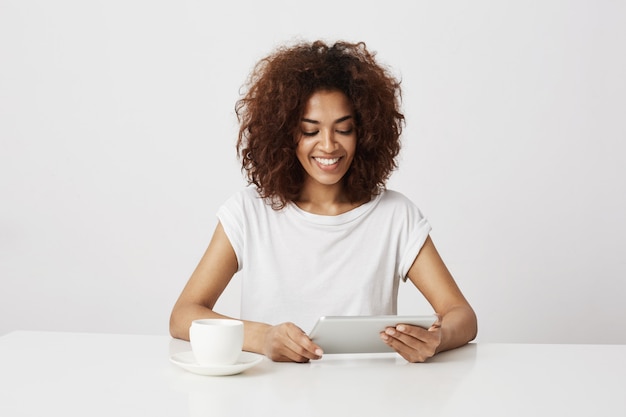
(117, 132)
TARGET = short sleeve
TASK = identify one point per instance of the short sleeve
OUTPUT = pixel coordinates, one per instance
(231, 217)
(414, 230)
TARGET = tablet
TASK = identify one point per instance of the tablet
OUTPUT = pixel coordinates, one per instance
(360, 334)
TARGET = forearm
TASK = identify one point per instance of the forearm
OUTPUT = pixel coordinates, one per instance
(183, 315)
(458, 327)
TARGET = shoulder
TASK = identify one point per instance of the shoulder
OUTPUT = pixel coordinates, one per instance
(396, 203)
(246, 201)
(394, 198)
(243, 197)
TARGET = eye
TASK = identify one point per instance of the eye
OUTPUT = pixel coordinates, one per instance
(346, 131)
(310, 133)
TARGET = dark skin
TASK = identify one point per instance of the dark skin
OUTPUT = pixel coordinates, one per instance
(325, 149)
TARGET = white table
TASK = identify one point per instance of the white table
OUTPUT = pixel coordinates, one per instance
(72, 374)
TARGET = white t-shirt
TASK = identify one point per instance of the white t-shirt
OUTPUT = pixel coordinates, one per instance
(297, 266)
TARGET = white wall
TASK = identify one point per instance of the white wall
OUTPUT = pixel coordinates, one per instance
(117, 137)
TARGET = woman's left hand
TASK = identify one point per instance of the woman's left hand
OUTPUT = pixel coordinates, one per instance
(413, 343)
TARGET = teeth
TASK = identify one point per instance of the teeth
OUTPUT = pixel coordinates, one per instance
(327, 161)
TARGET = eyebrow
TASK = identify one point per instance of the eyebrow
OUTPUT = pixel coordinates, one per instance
(315, 122)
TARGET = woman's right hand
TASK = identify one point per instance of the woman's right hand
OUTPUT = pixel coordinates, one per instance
(286, 342)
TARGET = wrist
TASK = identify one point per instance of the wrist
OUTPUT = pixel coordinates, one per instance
(254, 336)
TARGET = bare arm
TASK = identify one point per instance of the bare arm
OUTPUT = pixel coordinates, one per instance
(206, 284)
(457, 325)
(215, 270)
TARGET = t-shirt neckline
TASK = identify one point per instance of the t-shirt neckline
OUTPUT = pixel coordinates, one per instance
(334, 220)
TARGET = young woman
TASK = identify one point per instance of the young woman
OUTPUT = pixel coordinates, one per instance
(317, 233)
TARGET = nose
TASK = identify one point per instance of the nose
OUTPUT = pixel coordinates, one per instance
(327, 141)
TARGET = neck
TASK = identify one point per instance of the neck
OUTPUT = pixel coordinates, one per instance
(323, 199)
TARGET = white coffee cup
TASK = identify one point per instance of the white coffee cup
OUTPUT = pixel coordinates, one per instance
(216, 341)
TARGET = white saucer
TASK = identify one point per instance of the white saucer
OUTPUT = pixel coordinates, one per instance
(187, 361)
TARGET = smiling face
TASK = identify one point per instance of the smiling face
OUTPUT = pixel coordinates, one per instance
(327, 138)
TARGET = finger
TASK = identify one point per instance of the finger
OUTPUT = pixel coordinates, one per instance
(302, 348)
(297, 353)
(286, 350)
(302, 339)
(430, 338)
(409, 353)
(411, 332)
(399, 346)
(411, 348)
(281, 346)
(398, 340)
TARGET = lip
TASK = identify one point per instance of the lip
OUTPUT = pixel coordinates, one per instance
(327, 167)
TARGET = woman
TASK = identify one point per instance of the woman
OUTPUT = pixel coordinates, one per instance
(318, 233)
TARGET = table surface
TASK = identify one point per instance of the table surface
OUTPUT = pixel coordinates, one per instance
(77, 374)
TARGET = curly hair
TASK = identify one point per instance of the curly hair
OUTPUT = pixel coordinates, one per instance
(270, 111)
